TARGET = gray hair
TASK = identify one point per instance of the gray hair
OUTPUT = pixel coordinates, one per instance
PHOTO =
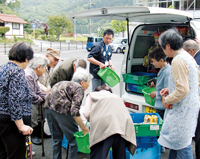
(80, 63)
(171, 37)
(81, 75)
(38, 60)
(191, 44)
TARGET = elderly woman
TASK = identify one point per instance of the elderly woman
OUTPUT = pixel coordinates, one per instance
(110, 124)
(15, 103)
(64, 101)
(35, 69)
(183, 93)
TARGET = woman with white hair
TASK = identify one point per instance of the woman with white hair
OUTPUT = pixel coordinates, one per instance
(64, 101)
(36, 68)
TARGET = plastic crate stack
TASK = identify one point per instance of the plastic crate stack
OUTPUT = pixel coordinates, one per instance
(137, 81)
(146, 136)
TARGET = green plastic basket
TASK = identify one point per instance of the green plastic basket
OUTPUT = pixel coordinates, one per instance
(109, 76)
(147, 91)
(82, 142)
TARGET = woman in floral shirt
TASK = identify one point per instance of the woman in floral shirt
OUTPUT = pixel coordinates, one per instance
(15, 103)
(64, 101)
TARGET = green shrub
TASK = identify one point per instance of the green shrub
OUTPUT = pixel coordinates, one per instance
(51, 38)
(37, 34)
(3, 30)
(30, 31)
(43, 37)
(15, 38)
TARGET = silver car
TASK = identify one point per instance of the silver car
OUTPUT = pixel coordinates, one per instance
(118, 44)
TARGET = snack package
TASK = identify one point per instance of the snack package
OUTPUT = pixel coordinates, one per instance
(183, 31)
(188, 31)
(154, 119)
(145, 61)
(156, 36)
(147, 119)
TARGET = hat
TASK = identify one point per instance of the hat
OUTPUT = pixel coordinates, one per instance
(54, 52)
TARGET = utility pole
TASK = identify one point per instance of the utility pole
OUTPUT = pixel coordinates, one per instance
(74, 29)
(90, 20)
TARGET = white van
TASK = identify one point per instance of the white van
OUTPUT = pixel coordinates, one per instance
(152, 21)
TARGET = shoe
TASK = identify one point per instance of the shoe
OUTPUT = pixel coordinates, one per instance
(35, 140)
(162, 149)
(33, 153)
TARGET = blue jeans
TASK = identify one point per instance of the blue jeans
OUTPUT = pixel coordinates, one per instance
(63, 124)
(96, 83)
(185, 153)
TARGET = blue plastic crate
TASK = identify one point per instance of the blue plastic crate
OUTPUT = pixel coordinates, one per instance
(143, 153)
(136, 88)
(146, 141)
(146, 129)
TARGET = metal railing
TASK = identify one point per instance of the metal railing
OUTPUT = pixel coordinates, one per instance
(43, 46)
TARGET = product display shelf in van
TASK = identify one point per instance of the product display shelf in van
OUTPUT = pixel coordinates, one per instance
(136, 88)
(143, 153)
(146, 129)
(139, 78)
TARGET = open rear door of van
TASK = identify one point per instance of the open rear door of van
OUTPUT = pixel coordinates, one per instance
(135, 14)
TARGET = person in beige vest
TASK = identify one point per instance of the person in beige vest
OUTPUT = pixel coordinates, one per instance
(44, 83)
(110, 124)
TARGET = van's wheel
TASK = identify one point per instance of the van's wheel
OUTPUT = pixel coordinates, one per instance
(118, 50)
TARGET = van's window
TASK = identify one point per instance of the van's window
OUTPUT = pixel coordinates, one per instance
(90, 39)
(99, 39)
(142, 44)
(125, 41)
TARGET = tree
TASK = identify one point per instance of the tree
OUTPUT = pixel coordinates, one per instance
(119, 26)
(3, 30)
(59, 24)
(15, 5)
(27, 26)
(2, 1)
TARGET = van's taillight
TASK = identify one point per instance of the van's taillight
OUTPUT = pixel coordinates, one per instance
(132, 106)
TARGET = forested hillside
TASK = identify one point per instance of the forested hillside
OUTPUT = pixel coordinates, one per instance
(40, 9)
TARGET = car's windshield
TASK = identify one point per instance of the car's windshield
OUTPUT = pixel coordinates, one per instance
(117, 41)
(90, 39)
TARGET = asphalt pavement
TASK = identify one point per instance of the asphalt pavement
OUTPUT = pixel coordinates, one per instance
(65, 54)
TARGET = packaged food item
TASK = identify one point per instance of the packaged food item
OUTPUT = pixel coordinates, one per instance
(178, 29)
(154, 119)
(188, 31)
(156, 36)
(183, 31)
(146, 60)
(148, 119)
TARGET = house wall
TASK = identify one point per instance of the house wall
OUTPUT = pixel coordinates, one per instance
(12, 32)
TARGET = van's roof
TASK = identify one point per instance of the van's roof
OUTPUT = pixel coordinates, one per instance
(135, 14)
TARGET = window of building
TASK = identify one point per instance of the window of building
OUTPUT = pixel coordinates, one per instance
(15, 25)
